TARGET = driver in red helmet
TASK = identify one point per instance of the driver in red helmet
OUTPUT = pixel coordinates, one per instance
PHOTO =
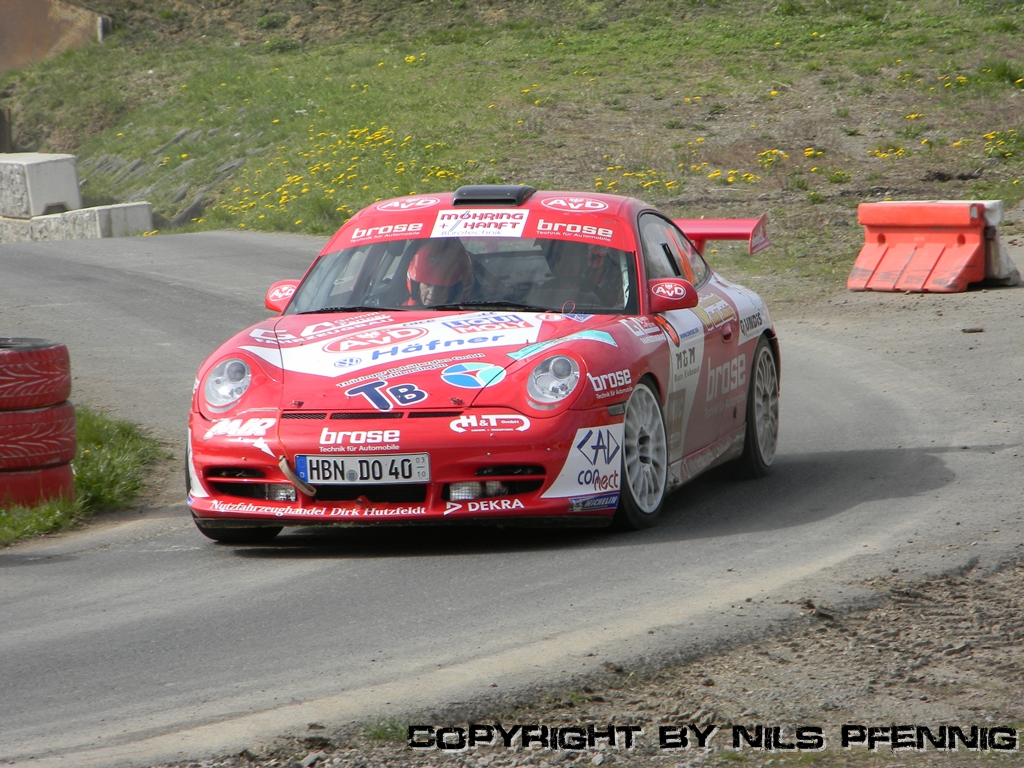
(440, 273)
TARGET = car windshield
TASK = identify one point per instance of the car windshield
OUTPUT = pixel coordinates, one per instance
(545, 275)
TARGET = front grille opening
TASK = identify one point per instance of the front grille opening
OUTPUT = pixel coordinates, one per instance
(367, 416)
(412, 493)
(490, 489)
(308, 415)
(238, 473)
(433, 414)
(510, 470)
(265, 491)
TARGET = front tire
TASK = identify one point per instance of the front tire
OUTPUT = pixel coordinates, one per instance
(644, 462)
(762, 435)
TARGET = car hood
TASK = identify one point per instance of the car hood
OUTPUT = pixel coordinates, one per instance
(415, 359)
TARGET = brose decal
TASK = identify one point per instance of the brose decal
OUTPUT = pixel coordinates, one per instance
(239, 428)
(386, 230)
(561, 227)
(726, 377)
(373, 436)
(615, 383)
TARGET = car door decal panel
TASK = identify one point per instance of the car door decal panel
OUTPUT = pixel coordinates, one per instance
(685, 362)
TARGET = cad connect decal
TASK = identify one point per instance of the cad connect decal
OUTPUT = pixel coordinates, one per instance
(593, 464)
(282, 292)
(473, 375)
(479, 222)
(574, 204)
(490, 422)
(408, 204)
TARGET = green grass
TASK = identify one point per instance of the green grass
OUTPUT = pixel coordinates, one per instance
(674, 102)
(110, 468)
(384, 728)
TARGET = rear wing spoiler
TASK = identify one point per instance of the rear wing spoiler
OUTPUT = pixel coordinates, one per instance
(754, 231)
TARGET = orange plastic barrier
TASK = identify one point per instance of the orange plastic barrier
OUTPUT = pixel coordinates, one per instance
(923, 247)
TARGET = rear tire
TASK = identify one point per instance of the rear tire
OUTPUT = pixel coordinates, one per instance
(762, 433)
(238, 535)
(644, 462)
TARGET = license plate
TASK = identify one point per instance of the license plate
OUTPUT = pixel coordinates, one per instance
(370, 470)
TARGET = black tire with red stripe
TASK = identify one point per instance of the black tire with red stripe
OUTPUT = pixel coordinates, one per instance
(33, 373)
(33, 486)
(37, 437)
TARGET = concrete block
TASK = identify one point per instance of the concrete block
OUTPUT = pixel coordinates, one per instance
(128, 219)
(34, 184)
(15, 230)
(84, 224)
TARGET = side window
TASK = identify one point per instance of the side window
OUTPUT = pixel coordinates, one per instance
(693, 265)
(660, 245)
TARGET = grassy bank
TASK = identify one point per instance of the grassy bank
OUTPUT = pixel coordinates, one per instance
(110, 468)
(291, 118)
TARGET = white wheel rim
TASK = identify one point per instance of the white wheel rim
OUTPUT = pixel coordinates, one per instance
(766, 406)
(644, 450)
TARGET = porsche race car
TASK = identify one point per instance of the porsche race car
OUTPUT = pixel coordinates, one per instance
(496, 355)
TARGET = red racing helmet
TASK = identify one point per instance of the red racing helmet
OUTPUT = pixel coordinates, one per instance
(441, 263)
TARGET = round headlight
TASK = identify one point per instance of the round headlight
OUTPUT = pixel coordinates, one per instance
(553, 379)
(226, 383)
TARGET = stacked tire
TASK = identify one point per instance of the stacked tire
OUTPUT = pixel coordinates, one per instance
(37, 423)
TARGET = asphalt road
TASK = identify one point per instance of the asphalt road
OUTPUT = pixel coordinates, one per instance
(137, 640)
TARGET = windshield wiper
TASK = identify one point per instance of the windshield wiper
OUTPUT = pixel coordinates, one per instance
(359, 308)
(489, 304)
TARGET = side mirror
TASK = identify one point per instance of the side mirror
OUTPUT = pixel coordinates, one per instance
(670, 293)
(280, 294)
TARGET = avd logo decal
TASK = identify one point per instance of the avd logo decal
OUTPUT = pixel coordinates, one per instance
(282, 292)
(669, 290)
(240, 428)
(408, 204)
(574, 204)
(375, 337)
(473, 375)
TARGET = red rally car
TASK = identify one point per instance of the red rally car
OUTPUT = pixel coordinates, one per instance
(494, 355)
